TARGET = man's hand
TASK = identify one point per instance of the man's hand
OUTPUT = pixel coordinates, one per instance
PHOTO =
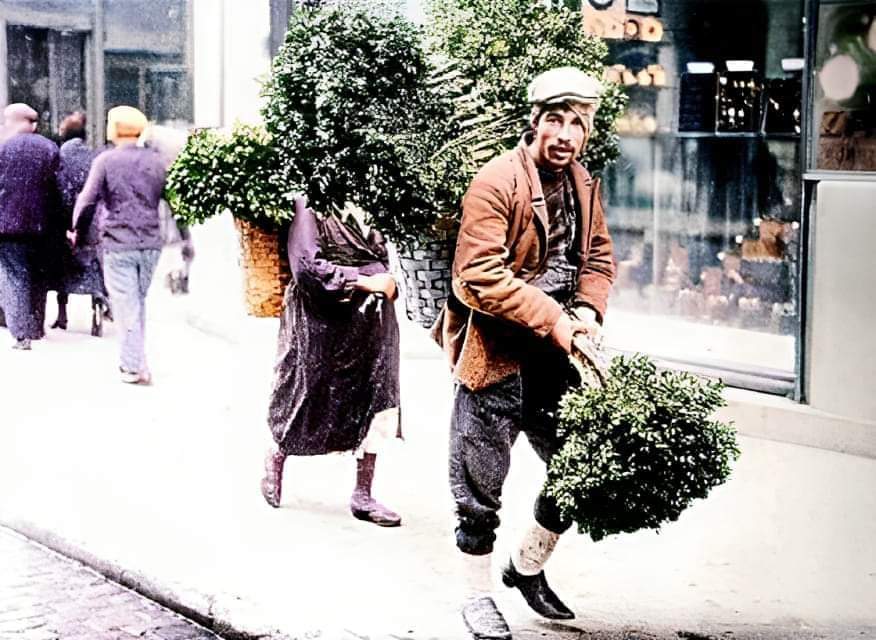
(567, 326)
(71, 238)
(378, 283)
(587, 323)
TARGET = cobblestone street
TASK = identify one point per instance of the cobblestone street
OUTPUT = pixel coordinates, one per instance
(44, 596)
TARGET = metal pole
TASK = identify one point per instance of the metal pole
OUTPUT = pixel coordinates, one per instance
(656, 155)
(190, 60)
(808, 131)
(54, 82)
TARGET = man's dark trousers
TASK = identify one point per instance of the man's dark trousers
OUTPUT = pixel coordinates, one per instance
(23, 286)
(484, 427)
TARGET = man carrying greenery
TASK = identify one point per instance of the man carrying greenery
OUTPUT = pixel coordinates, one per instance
(533, 266)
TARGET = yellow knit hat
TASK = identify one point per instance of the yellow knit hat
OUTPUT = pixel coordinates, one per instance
(124, 122)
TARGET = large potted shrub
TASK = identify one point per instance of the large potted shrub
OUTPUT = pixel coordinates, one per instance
(358, 122)
(345, 74)
(430, 161)
(239, 171)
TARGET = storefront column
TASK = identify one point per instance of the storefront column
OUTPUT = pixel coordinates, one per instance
(97, 114)
(841, 367)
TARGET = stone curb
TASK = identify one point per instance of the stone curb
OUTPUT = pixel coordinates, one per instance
(201, 611)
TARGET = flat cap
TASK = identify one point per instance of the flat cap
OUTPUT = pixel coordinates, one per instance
(564, 84)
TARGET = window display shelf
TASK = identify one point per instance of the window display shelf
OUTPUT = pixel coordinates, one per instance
(845, 176)
(741, 134)
(712, 136)
(647, 87)
(673, 221)
(846, 3)
(688, 340)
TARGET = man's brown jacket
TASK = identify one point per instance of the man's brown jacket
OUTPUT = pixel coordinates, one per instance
(502, 245)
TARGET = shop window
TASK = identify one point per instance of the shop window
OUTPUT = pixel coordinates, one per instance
(145, 58)
(46, 69)
(53, 50)
(704, 203)
(161, 89)
(844, 88)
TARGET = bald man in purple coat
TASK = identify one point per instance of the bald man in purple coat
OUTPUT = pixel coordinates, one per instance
(28, 203)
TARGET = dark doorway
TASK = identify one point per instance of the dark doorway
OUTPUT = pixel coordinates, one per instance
(46, 69)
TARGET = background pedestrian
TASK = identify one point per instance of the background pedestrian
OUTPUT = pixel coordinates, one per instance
(29, 206)
(126, 183)
(80, 270)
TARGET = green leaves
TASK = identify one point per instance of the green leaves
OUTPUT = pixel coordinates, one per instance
(238, 171)
(366, 108)
(346, 101)
(502, 44)
(640, 449)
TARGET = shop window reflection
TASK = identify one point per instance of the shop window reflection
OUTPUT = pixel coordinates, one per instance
(704, 203)
(845, 89)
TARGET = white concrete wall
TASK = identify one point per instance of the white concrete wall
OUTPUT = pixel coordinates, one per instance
(230, 56)
(842, 315)
(415, 10)
(207, 55)
(248, 30)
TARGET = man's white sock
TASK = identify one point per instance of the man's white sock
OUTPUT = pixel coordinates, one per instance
(536, 547)
(477, 576)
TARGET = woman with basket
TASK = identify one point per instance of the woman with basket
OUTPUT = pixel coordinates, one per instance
(336, 376)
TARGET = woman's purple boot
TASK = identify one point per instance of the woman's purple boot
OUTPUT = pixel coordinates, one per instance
(272, 483)
(362, 505)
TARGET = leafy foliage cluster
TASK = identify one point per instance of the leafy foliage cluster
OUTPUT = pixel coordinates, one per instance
(501, 45)
(353, 114)
(365, 108)
(237, 171)
(639, 449)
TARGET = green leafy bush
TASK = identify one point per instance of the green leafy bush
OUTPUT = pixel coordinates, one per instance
(501, 45)
(639, 449)
(353, 115)
(238, 171)
(419, 188)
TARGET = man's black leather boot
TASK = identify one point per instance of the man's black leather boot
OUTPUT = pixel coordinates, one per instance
(537, 593)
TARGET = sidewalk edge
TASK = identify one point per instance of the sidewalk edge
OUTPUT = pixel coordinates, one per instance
(137, 582)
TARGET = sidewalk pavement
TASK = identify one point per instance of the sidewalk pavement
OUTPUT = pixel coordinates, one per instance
(158, 488)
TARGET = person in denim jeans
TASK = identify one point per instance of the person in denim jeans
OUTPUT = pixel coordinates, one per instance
(124, 187)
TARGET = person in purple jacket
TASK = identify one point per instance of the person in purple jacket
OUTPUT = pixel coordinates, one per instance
(125, 185)
(78, 270)
(336, 375)
(28, 203)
